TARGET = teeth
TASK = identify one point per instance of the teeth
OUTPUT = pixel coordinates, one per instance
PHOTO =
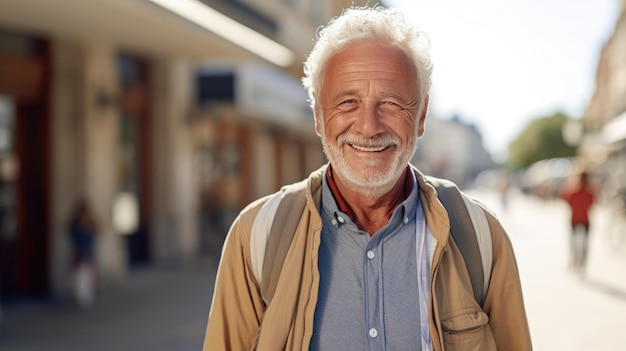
(370, 148)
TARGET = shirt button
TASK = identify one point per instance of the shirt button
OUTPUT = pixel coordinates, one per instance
(371, 254)
(406, 220)
(373, 332)
(334, 222)
(340, 219)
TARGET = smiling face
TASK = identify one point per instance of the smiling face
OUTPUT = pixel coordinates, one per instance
(367, 114)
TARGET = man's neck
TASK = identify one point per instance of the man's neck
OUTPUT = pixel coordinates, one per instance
(370, 213)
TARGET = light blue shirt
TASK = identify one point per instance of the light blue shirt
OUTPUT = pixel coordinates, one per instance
(369, 293)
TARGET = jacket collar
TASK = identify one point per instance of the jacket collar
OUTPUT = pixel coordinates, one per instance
(436, 215)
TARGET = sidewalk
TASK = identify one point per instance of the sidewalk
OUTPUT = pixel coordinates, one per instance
(607, 267)
(566, 311)
(155, 309)
(549, 222)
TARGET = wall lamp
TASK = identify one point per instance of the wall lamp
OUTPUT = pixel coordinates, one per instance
(229, 29)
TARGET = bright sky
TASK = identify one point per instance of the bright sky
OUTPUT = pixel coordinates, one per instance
(501, 63)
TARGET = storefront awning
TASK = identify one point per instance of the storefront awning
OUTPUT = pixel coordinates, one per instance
(139, 26)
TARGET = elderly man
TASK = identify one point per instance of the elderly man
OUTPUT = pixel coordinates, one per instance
(371, 265)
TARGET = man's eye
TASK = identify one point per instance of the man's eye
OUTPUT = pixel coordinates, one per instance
(391, 105)
(345, 102)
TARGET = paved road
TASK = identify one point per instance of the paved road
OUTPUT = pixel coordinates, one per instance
(166, 309)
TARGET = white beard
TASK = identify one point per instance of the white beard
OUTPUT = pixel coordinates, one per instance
(370, 184)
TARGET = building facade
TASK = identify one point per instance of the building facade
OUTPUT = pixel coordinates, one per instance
(107, 101)
(452, 149)
(604, 144)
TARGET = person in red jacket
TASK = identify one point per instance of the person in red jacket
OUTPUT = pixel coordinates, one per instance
(580, 197)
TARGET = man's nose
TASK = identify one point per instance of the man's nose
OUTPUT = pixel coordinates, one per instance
(369, 120)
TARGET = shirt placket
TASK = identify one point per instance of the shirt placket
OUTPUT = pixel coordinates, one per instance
(373, 298)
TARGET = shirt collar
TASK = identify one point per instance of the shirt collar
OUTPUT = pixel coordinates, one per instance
(407, 206)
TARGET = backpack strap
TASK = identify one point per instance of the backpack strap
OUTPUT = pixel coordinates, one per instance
(470, 231)
(272, 233)
(260, 233)
(483, 236)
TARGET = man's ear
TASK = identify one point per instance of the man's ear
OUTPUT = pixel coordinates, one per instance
(318, 119)
(422, 118)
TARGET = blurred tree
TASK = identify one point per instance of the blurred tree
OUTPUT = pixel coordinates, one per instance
(541, 139)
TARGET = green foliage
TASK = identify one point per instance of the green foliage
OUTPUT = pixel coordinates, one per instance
(541, 139)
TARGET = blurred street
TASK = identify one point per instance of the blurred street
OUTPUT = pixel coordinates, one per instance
(565, 311)
(166, 309)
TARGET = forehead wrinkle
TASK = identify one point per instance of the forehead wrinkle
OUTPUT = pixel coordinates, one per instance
(364, 72)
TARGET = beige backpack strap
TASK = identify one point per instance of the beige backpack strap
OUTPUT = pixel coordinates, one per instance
(483, 236)
(470, 231)
(272, 232)
(260, 232)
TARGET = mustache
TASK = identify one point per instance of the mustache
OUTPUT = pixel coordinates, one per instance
(376, 141)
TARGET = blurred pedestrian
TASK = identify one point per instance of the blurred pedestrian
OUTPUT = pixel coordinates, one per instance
(580, 197)
(371, 263)
(82, 231)
(503, 184)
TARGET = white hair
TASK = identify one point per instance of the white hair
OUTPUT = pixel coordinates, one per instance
(369, 23)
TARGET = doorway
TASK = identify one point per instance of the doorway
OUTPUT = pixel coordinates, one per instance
(24, 166)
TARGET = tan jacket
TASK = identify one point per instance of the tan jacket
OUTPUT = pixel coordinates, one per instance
(456, 320)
